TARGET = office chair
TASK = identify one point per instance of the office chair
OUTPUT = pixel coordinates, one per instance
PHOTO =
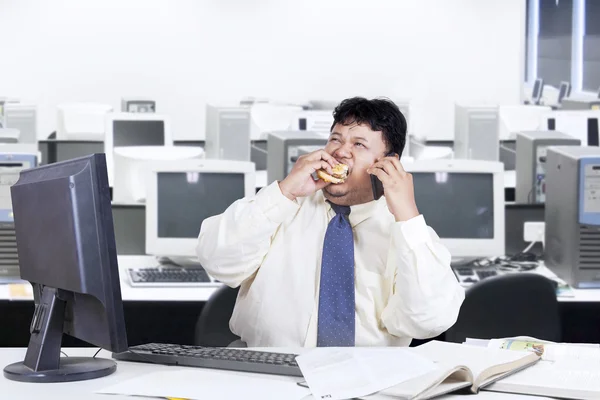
(212, 328)
(519, 304)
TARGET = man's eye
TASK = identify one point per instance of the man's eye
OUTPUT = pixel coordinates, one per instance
(359, 144)
(334, 140)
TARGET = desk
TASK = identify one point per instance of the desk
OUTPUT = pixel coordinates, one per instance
(127, 370)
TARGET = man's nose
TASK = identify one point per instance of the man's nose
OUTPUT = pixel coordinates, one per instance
(343, 151)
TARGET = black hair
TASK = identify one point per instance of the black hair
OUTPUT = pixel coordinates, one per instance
(380, 114)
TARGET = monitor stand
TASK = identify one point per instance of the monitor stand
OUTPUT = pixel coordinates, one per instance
(42, 362)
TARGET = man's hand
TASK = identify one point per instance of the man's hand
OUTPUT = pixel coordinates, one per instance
(397, 186)
(299, 182)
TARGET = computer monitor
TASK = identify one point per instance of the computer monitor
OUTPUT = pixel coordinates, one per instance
(67, 251)
(22, 117)
(138, 105)
(520, 118)
(134, 163)
(563, 91)
(538, 91)
(582, 124)
(313, 121)
(463, 201)
(81, 121)
(134, 129)
(269, 117)
(180, 197)
(476, 135)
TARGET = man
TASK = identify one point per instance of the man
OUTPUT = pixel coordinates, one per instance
(323, 264)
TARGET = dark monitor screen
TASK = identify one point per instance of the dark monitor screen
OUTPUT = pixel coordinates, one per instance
(456, 205)
(563, 91)
(185, 199)
(138, 133)
(537, 89)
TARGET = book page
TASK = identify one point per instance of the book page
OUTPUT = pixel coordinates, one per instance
(574, 379)
(347, 372)
(436, 383)
(477, 359)
(548, 350)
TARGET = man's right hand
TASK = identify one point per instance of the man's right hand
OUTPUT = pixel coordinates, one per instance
(300, 183)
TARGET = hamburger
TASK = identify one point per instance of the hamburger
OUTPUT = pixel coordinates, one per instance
(340, 173)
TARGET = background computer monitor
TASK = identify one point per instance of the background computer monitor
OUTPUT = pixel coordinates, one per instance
(134, 129)
(180, 197)
(134, 163)
(538, 90)
(81, 121)
(563, 91)
(66, 244)
(463, 201)
(520, 118)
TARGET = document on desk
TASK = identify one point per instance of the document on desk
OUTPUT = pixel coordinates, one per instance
(200, 384)
(350, 372)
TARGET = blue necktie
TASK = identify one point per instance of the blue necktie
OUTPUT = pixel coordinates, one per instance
(336, 293)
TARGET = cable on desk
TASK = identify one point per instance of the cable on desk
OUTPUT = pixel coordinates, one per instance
(64, 354)
(99, 350)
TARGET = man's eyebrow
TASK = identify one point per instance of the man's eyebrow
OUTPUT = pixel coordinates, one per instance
(335, 133)
(361, 138)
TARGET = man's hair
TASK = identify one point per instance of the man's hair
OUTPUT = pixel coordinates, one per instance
(379, 114)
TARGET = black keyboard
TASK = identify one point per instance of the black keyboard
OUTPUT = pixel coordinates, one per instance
(213, 357)
(486, 273)
(174, 276)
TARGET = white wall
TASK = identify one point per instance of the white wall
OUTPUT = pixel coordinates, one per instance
(185, 53)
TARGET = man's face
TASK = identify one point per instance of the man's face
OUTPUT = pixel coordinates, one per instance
(358, 147)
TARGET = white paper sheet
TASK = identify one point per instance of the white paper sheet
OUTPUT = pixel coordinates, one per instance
(348, 372)
(198, 383)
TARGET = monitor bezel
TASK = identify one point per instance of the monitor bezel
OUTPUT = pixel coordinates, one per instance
(473, 247)
(186, 247)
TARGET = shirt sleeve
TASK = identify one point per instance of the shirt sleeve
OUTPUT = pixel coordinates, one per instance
(426, 296)
(231, 246)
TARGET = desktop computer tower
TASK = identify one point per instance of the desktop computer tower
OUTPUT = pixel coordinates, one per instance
(580, 104)
(228, 133)
(532, 148)
(284, 149)
(572, 215)
(476, 133)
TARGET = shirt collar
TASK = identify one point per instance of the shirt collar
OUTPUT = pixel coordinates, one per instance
(359, 212)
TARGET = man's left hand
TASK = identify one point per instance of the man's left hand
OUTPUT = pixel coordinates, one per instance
(397, 186)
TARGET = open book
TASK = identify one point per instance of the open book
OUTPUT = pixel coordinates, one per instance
(569, 371)
(469, 368)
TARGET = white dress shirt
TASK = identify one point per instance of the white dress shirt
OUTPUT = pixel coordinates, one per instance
(272, 247)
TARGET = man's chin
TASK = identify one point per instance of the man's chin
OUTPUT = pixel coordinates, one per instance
(335, 190)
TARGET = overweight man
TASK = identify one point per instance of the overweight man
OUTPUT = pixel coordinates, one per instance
(324, 264)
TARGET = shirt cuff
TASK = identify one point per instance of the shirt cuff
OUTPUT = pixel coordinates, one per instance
(412, 233)
(276, 207)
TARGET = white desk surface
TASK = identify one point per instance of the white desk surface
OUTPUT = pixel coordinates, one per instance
(127, 370)
(201, 294)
